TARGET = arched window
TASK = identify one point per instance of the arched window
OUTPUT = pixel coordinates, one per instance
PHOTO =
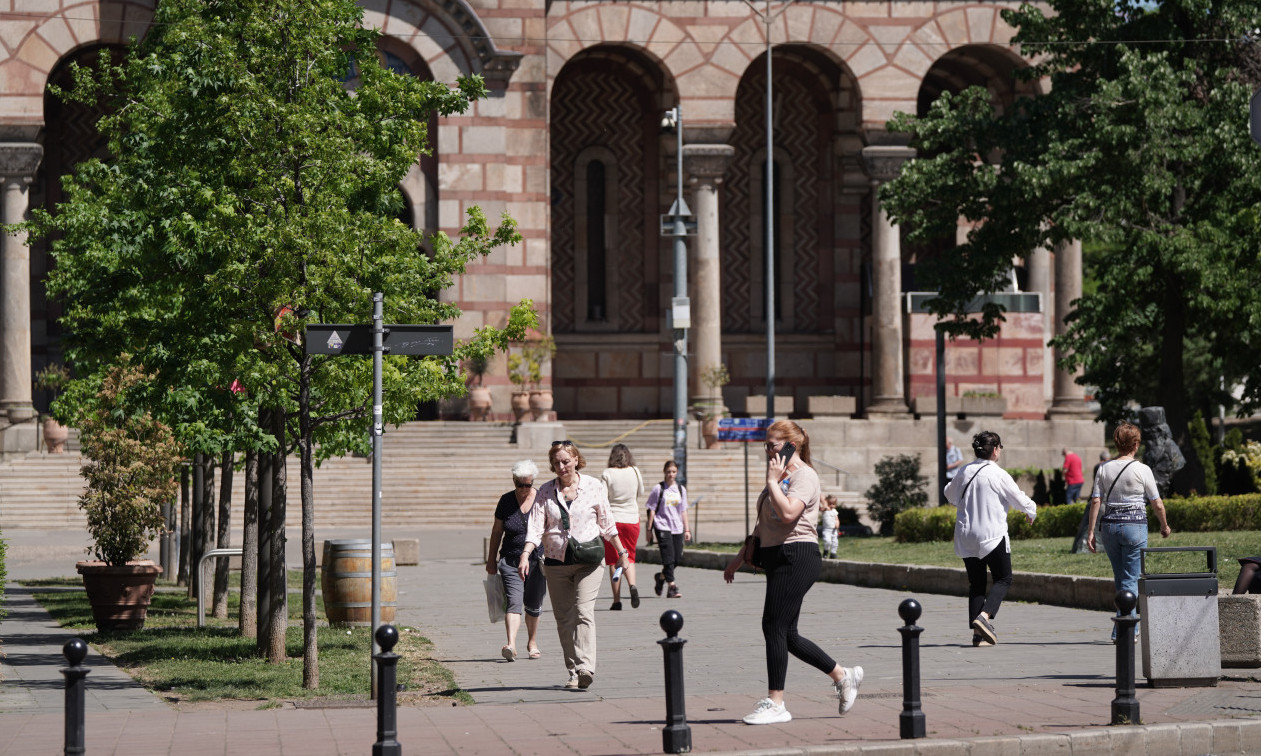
(595, 220)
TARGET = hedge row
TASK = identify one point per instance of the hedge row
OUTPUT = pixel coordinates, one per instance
(1194, 515)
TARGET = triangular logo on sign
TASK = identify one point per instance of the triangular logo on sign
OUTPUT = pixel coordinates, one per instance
(335, 341)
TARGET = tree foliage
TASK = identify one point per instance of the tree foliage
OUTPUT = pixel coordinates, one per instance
(250, 191)
(1140, 145)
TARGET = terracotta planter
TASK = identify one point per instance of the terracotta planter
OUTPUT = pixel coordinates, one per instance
(55, 435)
(709, 432)
(479, 404)
(541, 404)
(120, 594)
(520, 405)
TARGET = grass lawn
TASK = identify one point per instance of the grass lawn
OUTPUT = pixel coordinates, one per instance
(1052, 555)
(184, 663)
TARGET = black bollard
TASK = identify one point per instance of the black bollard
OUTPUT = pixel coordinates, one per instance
(387, 711)
(1125, 705)
(677, 736)
(75, 652)
(911, 721)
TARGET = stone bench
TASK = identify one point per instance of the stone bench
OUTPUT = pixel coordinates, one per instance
(1239, 620)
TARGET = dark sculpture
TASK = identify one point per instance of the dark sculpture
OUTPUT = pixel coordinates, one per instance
(1161, 454)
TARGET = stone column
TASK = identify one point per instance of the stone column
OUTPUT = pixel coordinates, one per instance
(18, 161)
(1069, 397)
(1038, 264)
(888, 378)
(704, 166)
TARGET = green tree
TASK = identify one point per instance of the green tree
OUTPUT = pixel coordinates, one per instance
(1141, 147)
(251, 192)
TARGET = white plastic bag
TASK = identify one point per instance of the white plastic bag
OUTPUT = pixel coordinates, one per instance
(495, 599)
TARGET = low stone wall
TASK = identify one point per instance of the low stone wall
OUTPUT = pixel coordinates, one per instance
(1058, 590)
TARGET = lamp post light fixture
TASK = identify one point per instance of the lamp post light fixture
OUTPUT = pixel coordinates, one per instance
(676, 224)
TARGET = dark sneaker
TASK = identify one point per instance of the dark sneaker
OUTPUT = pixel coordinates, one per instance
(634, 597)
(673, 592)
(617, 606)
(984, 628)
(660, 581)
(978, 641)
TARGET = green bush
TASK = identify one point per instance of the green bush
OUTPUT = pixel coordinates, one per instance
(1200, 514)
(1052, 522)
(899, 487)
(925, 524)
(1204, 451)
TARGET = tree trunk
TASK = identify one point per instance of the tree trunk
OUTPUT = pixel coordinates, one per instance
(249, 550)
(310, 641)
(186, 513)
(265, 489)
(278, 621)
(198, 535)
(223, 538)
(1172, 389)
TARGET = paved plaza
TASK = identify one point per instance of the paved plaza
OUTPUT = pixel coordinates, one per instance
(1046, 688)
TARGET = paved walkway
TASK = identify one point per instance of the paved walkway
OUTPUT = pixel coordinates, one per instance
(1046, 688)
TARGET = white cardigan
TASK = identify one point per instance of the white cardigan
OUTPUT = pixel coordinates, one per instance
(981, 510)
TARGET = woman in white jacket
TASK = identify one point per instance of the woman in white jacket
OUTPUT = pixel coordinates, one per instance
(983, 493)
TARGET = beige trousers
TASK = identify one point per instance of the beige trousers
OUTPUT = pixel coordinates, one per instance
(573, 589)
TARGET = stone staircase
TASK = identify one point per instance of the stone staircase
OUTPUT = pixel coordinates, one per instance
(432, 473)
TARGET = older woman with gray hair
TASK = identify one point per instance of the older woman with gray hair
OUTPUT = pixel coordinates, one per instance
(507, 537)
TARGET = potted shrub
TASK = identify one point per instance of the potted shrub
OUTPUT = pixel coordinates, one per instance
(519, 375)
(132, 468)
(711, 407)
(982, 403)
(479, 398)
(54, 378)
(538, 352)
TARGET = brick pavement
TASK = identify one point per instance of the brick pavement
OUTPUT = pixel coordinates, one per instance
(1046, 688)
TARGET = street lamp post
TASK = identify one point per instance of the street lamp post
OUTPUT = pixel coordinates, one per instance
(679, 318)
(769, 216)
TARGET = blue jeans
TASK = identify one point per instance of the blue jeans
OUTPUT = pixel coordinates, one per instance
(1123, 541)
(1072, 493)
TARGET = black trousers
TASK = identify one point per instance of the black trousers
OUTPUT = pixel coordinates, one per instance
(999, 563)
(791, 569)
(671, 546)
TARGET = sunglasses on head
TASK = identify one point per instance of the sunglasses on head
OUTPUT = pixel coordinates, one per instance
(566, 442)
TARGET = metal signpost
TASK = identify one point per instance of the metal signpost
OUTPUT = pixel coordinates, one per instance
(679, 224)
(377, 339)
(748, 430)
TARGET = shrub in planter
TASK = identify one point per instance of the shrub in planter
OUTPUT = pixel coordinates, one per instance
(132, 470)
(925, 524)
(899, 487)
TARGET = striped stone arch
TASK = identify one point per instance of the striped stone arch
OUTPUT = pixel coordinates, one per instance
(447, 35)
(33, 48)
(650, 33)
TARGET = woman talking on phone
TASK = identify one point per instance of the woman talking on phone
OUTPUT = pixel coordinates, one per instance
(785, 544)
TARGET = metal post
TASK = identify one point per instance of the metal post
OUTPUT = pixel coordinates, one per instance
(1125, 705)
(378, 335)
(676, 737)
(769, 188)
(75, 652)
(679, 232)
(387, 743)
(164, 540)
(941, 416)
(746, 488)
(911, 720)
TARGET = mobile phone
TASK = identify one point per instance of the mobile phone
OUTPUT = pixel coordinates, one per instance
(786, 452)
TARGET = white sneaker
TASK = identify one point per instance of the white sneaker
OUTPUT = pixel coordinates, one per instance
(847, 688)
(768, 712)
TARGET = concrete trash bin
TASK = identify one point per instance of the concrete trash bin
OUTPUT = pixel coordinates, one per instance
(1181, 642)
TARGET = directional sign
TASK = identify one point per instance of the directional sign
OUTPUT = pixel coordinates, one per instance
(325, 338)
(746, 429)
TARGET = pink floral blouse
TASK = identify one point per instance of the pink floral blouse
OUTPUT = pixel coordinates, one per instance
(589, 516)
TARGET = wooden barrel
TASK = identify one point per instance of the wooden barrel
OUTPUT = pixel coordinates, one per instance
(346, 579)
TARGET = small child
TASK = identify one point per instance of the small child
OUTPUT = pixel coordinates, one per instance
(829, 523)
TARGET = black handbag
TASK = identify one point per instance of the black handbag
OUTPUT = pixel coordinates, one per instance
(587, 552)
